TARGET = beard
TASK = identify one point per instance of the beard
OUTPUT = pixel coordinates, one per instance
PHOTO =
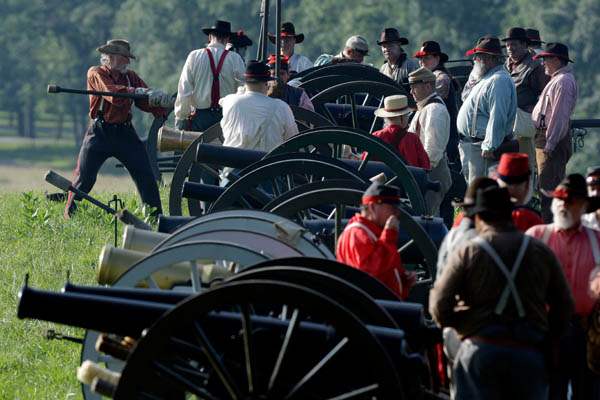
(479, 69)
(121, 68)
(563, 218)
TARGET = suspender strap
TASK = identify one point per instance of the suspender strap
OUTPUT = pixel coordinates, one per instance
(547, 232)
(501, 306)
(473, 132)
(594, 244)
(510, 285)
(364, 228)
(215, 91)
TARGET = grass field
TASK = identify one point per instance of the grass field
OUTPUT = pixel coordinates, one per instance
(37, 240)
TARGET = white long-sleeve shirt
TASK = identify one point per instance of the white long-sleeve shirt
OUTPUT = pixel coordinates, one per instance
(255, 121)
(195, 82)
(299, 63)
(432, 123)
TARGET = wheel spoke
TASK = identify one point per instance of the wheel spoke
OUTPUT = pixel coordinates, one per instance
(195, 277)
(354, 112)
(375, 117)
(364, 162)
(315, 370)
(293, 324)
(356, 393)
(216, 363)
(152, 283)
(183, 382)
(248, 350)
(405, 246)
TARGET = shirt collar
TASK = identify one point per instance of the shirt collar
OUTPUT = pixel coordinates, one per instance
(216, 45)
(423, 102)
(493, 71)
(570, 231)
(563, 70)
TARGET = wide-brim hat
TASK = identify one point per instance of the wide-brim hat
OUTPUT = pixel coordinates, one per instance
(391, 35)
(117, 46)
(222, 27)
(494, 200)
(516, 33)
(534, 36)
(421, 75)
(431, 47)
(394, 106)
(239, 39)
(573, 186)
(486, 45)
(513, 168)
(288, 30)
(380, 193)
(481, 182)
(554, 50)
(257, 71)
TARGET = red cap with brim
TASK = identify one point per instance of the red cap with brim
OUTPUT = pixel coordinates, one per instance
(480, 50)
(514, 168)
(543, 54)
(393, 200)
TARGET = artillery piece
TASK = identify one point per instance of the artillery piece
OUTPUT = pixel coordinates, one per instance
(249, 328)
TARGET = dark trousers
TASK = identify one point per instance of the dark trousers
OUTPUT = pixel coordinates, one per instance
(201, 120)
(551, 168)
(104, 140)
(572, 368)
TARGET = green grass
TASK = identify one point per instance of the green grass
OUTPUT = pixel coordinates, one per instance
(37, 240)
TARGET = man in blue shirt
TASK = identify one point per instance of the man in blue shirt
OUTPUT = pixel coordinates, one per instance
(487, 115)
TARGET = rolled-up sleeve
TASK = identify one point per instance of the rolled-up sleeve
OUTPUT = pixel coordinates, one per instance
(442, 297)
(502, 107)
(185, 89)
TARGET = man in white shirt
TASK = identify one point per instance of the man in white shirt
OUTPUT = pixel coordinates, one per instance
(252, 120)
(208, 75)
(432, 123)
(592, 219)
(289, 39)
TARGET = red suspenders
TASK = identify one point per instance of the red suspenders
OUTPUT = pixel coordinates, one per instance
(215, 92)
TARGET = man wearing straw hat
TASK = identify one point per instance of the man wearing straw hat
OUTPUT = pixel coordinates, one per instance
(208, 75)
(432, 123)
(112, 134)
(395, 112)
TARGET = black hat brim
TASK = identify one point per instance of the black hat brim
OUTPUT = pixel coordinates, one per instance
(212, 29)
(523, 39)
(402, 41)
(299, 38)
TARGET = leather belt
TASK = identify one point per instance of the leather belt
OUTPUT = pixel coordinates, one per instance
(469, 139)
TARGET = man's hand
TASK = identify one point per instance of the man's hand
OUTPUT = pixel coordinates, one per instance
(487, 154)
(392, 223)
(142, 90)
(158, 98)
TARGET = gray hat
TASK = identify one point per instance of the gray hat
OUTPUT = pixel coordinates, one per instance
(358, 42)
(116, 46)
(421, 75)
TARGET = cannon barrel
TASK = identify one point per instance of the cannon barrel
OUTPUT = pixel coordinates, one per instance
(171, 139)
(225, 156)
(141, 240)
(58, 89)
(104, 314)
(201, 191)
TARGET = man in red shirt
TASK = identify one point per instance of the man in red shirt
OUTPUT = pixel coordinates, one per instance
(395, 114)
(578, 250)
(369, 241)
(111, 133)
(514, 173)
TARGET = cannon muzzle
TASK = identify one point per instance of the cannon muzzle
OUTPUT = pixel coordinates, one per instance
(141, 240)
(171, 139)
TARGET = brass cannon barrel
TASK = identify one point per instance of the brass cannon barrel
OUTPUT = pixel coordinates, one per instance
(171, 139)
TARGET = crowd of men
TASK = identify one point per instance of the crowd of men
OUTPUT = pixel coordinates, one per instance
(518, 289)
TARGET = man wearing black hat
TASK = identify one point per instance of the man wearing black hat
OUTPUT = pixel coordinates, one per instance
(397, 65)
(208, 75)
(535, 41)
(239, 42)
(289, 39)
(111, 134)
(252, 120)
(552, 116)
(294, 96)
(486, 118)
(370, 240)
(505, 295)
(592, 179)
(578, 249)
(530, 79)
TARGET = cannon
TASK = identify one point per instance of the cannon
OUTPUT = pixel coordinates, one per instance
(247, 304)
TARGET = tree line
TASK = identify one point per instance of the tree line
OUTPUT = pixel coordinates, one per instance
(54, 41)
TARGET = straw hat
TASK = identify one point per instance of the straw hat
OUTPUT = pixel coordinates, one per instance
(394, 106)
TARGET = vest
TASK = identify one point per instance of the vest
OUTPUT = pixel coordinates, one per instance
(292, 95)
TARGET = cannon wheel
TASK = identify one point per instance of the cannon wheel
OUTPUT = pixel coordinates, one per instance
(264, 223)
(151, 145)
(180, 355)
(343, 292)
(336, 138)
(356, 277)
(348, 91)
(186, 167)
(352, 70)
(279, 173)
(341, 198)
(143, 270)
